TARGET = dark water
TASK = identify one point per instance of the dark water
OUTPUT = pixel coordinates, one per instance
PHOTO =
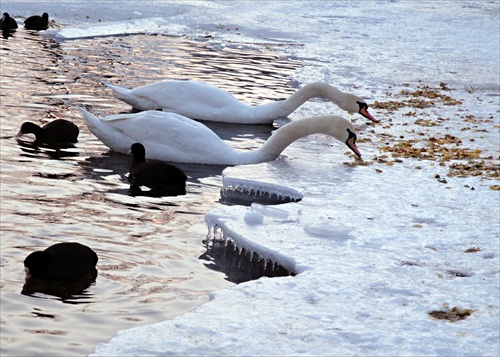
(148, 247)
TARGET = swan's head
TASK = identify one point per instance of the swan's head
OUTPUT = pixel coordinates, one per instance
(343, 130)
(354, 104)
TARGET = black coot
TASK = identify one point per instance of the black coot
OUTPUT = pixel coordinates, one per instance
(37, 22)
(59, 131)
(7, 22)
(62, 262)
(157, 175)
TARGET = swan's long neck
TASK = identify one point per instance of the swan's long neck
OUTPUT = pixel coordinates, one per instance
(284, 136)
(283, 108)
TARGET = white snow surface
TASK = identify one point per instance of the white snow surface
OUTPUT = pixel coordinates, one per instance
(375, 247)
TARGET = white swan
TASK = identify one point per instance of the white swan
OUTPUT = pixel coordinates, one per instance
(202, 101)
(175, 138)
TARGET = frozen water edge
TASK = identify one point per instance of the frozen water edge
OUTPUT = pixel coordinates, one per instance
(115, 28)
(357, 292)
(245, 189)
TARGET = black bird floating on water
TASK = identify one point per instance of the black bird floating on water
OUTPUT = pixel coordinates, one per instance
(7, 22)
(59, 131)
(8, 25)
(64, 270)
(37, 22)
(66, 262)
(160, 177)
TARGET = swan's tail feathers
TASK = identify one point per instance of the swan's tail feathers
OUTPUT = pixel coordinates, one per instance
(92, 122)
(88, 117)
(120, 92)
(104, 132)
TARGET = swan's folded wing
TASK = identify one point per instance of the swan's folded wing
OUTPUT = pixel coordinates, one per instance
(167, 137)
(196, 100)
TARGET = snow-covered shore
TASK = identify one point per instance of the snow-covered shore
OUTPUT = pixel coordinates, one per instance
(373, 255)
(376, 246)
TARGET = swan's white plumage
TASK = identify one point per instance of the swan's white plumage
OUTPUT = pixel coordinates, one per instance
(175, 138)
(202, 101)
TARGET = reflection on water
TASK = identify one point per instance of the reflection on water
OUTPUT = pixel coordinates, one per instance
(165, 191)
(74, 292)
(148, 247)
(32, 149)
(239, 264)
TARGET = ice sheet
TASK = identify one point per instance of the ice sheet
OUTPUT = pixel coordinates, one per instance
(370, 266)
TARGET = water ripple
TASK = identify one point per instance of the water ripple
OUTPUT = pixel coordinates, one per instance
(148, 247)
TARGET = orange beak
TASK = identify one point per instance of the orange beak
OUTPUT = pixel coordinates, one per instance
(364, 112)
(351, 143)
